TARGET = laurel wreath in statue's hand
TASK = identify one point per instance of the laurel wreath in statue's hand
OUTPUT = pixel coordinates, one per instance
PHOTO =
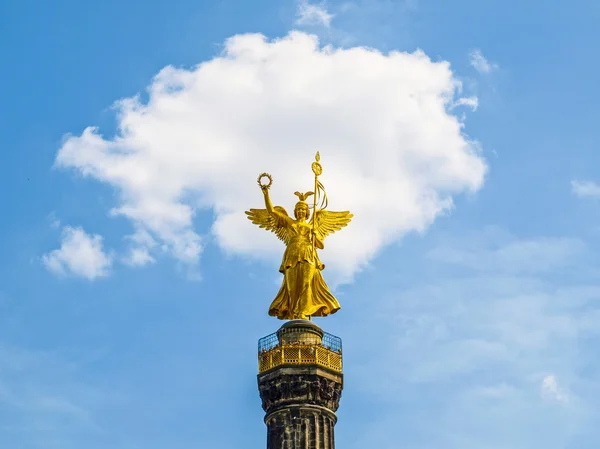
(264, 187)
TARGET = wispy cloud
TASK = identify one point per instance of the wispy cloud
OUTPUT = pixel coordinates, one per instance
(472, 102)
(80, 254)
(141, 246)
(480, 63)
(551, 390)
(41, 400)
(496, 251)
(468, 340)
(313, 14)
(54, 221)
(585, 189)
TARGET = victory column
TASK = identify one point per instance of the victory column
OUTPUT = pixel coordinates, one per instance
(300, 376)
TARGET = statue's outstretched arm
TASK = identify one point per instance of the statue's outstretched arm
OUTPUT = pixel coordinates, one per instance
(268, 203)
(276, 211)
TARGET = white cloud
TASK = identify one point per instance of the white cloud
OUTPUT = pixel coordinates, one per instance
(471, 102)
(392, 152)
(139, 254)
(139, 257)
(480, 63)
(585, 189)
(80, 254)
(312, 14)
(551, 390)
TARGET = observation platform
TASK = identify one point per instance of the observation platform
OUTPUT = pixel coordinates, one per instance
(300, 342)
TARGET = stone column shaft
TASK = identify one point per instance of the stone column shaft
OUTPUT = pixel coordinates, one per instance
(300, 398)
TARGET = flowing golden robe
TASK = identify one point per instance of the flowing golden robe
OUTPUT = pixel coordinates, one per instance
(303, 292)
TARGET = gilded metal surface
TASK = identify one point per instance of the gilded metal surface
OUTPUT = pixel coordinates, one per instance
(299, 354)
(303, 293)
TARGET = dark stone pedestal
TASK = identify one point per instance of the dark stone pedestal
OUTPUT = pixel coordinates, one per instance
(300, 402)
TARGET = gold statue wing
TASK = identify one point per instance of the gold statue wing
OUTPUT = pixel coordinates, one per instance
(276, 223)
(327, 222)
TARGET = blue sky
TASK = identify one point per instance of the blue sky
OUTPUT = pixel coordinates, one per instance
(463, 135)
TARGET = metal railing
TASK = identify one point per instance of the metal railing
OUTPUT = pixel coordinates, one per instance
(327, 353)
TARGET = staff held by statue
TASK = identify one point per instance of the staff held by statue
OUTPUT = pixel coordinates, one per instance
(317, 169)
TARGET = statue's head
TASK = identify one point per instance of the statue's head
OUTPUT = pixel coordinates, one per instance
(301, 210)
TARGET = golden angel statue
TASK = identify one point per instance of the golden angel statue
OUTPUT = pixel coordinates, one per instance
(303, 293)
